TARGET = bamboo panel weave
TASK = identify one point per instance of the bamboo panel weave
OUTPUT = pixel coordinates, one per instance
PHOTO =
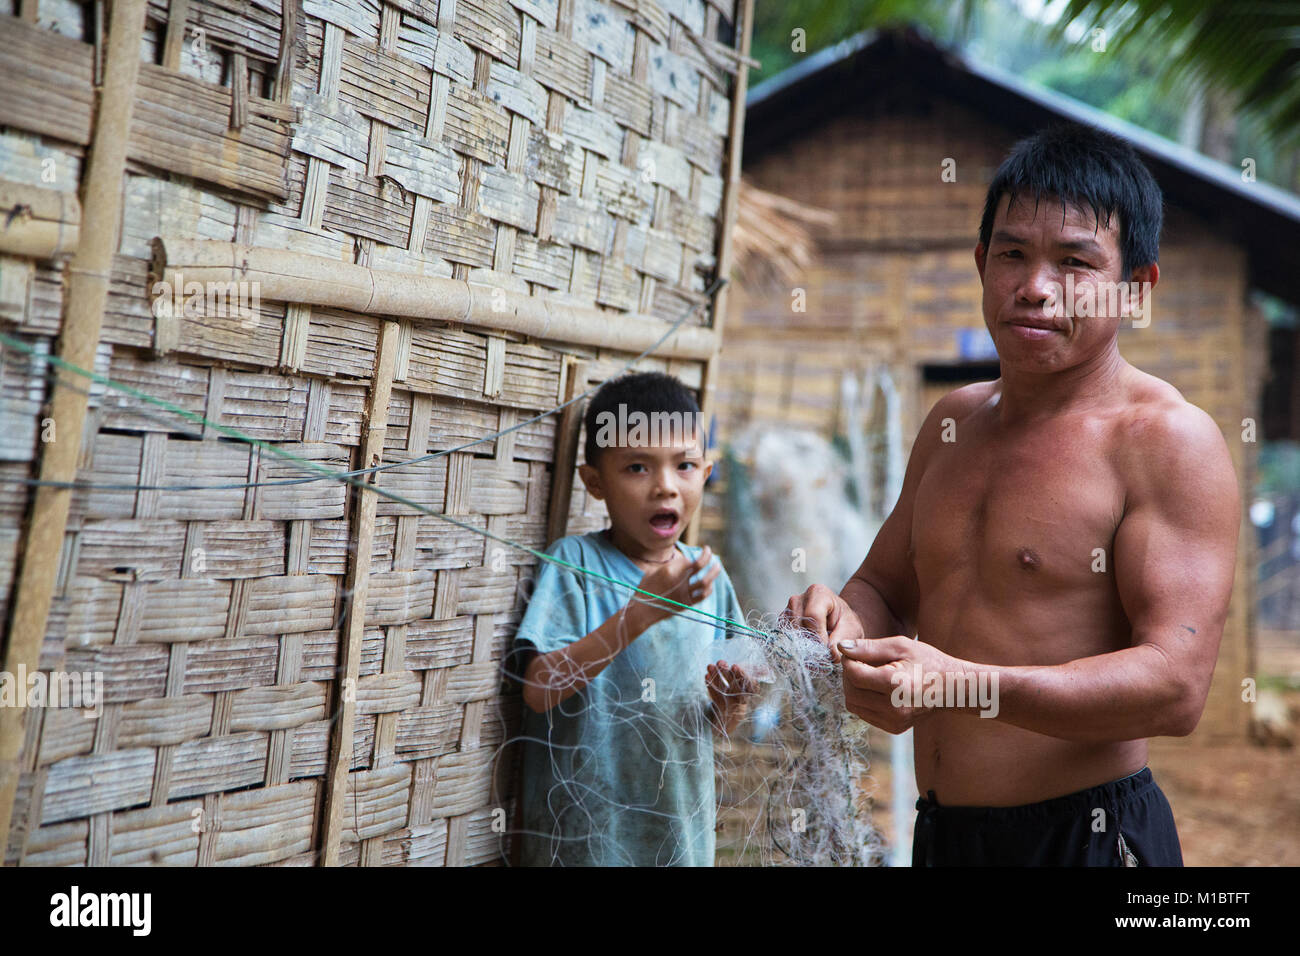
(573, 150)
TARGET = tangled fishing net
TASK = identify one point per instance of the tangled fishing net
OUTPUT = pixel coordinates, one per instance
(791, 779)
(814, 796)
(793, 783)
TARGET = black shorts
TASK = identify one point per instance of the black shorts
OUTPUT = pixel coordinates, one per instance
(1093, 827)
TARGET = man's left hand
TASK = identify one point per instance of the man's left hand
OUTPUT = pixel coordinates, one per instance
(884, 679)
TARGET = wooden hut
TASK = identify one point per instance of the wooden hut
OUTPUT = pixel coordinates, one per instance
(900, 139)
(407, 224)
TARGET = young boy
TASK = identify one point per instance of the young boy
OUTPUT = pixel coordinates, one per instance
(620, 696)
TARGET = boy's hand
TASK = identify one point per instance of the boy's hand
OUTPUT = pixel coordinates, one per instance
(672, 580)
(729, 691)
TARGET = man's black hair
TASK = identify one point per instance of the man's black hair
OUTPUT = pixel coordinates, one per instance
(1087, 168)
(645, 392)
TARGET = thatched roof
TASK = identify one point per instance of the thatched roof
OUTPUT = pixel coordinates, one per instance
(773, 238)
(871, 66)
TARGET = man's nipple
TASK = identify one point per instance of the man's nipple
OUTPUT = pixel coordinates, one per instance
(1028, 559)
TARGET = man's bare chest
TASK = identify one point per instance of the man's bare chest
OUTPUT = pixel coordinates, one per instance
(1017, 518)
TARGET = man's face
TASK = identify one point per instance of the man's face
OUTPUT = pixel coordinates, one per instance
(1033, 256)
(651, 491)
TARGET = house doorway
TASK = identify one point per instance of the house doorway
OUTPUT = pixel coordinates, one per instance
(938, 379)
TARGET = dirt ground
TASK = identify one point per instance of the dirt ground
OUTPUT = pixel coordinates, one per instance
(1234, 806)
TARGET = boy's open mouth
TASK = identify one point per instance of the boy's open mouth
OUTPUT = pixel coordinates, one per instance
(664, 522)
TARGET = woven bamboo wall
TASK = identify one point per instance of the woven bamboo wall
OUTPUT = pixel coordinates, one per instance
(305, 673)
(895, 283)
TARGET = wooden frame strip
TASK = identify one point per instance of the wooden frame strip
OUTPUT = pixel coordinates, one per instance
(87, 293)
(735, 145)
(297, 277)
(358, 580)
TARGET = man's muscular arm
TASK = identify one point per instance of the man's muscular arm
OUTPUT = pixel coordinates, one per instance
(1174, 557)
(1175, 554)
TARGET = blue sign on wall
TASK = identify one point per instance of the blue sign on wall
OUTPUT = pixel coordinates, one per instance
(975, 344)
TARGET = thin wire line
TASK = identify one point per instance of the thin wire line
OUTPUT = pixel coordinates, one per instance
(717, 284)
(106, 486)
(364, 485)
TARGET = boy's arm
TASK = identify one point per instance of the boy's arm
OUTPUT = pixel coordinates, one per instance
(726, 726)
(557, 675)
(730, 688)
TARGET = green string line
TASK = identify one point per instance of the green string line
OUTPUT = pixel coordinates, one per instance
(718, 283)
(325, 472)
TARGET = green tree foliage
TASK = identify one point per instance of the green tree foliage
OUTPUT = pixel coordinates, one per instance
(826, 22)
(1162, 60)
(1250, 49)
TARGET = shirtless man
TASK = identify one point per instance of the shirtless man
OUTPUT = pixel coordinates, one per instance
(1066, 534)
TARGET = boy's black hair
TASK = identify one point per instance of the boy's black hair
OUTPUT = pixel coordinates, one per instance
(1088, 168)
(645, 392)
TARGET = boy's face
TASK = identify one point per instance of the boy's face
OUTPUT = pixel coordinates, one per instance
(651, 491)
(1052, 284)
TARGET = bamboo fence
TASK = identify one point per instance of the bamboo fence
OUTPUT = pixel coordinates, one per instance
(440, 218)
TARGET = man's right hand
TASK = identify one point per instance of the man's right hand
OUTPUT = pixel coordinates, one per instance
(827, 614)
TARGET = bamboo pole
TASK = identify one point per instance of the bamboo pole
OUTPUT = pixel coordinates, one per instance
(87, 292)
(37, 223)
(357, 589)
(284, 276)
(566, 451)
(735, 136)
(178, 12)
(290, 15)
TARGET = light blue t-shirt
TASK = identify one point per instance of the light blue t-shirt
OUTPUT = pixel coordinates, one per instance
(620, 773)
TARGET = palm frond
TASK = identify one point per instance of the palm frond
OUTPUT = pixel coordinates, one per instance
(1249, 49)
